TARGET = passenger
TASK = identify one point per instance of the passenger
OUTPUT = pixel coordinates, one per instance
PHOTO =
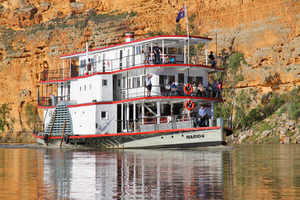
(148, 84)
(202, 114)
(172, 60)
(146, 52)
(211, 58)
(215, 89)
(195, 89)
(201, 91)
(157, 52)
(174, 88)
(167, 60)
(219, 92)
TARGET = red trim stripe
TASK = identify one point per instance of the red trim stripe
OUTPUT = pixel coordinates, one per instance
(134, 99)
(132, 68)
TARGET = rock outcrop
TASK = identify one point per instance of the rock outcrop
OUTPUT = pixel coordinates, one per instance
(34, 33)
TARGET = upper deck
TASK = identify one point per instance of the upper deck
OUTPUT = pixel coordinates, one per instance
(126, 56)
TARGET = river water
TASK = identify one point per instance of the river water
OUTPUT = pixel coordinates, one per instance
(232, 172)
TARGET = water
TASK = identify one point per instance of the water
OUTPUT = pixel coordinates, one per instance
(240, 172)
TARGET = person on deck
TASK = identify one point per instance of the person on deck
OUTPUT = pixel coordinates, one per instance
(148, 84)
(201, 91)
(146, 52)
(211, 58)
(219, 92)
(202, 114)
(174, 88)
(157, 52)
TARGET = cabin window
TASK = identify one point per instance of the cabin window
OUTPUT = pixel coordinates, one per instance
(104, 115)
(104, 82)
(119, 83)
(199, 80)
(129, 83)
(80, 88)
(138, 79)
(190, 79)
(124, 82)
(171, 79)
(163, 80)
(143, 81)
(181, 78)
(82, 63)
(134, 82)
(84, 87)
(90, 86)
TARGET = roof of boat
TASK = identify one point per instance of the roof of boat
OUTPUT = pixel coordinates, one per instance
(171, 40)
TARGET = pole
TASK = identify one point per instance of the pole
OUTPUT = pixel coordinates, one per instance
(216, 50)
(62, 134)
(188, 34)
(51, 129)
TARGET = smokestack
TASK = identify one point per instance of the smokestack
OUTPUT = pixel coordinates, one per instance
(129, 36)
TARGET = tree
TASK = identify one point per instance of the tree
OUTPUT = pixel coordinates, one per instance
(4, 112)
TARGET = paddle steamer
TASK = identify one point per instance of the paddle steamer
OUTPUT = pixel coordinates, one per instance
(99, 97)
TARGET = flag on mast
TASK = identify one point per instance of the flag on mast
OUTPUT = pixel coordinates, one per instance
(181, 14)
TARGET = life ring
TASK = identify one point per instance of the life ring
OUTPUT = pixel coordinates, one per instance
(46, 138)
(188, 89)
(66, 139)
(189, 104)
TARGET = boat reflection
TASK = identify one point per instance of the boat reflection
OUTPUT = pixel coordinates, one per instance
(123, 174)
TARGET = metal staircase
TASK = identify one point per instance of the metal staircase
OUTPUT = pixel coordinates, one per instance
(62, 115)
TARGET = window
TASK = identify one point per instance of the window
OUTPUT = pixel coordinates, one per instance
(80, 88)
(199, 80)
(82, 63)
(163, 80)
(129, 83)
(190, 79)
(181, 78)
(138, 79)
(104, 82)
(171, 79)
(90, 86)
(119, 83)
(124, 82)
(134, 82)
(143, 81)
(84, 87)
(104, 115)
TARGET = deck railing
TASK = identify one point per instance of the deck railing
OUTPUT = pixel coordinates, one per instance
(109, 65)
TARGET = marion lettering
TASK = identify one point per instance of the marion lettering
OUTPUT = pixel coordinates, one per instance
(195, 136)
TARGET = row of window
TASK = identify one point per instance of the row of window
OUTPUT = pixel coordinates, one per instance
(104, 83)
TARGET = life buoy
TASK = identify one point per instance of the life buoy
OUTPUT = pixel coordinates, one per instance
(46, 138)
(188, 89)
(189, 105)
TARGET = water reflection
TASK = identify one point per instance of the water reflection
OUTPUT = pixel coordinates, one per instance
(244, 172)
(133, 174)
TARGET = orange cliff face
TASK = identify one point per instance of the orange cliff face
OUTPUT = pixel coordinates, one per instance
(34, 33)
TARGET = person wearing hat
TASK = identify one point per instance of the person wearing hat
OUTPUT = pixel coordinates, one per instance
(146, 52)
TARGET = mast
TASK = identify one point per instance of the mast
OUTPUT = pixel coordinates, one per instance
(187, 30)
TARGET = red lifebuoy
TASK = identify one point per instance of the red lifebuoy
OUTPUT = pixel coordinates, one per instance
(188, 89)
(189, 105)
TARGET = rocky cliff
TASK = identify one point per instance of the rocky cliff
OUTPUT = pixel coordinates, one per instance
(34, 33)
